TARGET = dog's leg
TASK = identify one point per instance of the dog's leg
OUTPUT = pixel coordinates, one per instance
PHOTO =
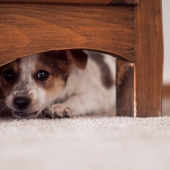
(78, 105)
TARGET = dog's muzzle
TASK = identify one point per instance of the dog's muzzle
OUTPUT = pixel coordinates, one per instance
(21, 104)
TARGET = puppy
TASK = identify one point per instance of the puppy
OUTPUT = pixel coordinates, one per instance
(58, 84)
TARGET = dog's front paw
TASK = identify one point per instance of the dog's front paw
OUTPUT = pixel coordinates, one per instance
(57, 111)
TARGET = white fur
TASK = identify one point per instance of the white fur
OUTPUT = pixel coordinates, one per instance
(83, 94)
(26, 86)
(86, 91)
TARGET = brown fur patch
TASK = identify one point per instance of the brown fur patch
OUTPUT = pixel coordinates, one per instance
(106, 76)
(58, 64)
(6, 86)
(79, 58)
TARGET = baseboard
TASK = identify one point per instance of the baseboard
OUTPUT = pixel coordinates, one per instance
(166, 90)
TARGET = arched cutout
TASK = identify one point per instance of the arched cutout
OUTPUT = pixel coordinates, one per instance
(11, 57)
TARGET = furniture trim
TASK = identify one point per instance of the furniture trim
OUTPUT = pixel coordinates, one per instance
(90, 2)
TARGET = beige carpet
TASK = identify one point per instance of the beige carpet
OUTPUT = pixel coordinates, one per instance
(86, 143)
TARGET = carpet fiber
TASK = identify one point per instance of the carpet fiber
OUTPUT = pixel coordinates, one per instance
(103, 142)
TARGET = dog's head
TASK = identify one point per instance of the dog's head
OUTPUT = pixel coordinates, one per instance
(32, 83)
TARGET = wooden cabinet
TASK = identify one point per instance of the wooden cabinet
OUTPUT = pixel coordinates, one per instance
(128, 29)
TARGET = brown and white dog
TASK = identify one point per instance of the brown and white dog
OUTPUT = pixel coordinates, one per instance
(59, 84)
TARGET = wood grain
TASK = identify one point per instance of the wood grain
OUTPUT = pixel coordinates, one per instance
(125, 2)
(125, 89)
(149, 58)
(28, 29)
(92, 2)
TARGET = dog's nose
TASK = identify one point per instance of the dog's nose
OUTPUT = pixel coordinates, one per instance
(22, 102)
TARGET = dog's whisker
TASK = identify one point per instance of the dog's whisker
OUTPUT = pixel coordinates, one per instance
(3, 109)
(2, 104)
(8, 110)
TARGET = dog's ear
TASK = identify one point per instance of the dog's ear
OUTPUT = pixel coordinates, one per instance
(79, 57)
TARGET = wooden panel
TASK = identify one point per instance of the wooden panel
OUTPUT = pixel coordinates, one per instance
(28, 29)
(125, 94)
(125, 2)
(166, 90)
(99, 2)
(149, 58)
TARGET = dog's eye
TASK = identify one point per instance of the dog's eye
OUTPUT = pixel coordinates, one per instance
(8, 75)
(42, 75)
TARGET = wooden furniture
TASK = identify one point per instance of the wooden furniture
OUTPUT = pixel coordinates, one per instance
(131, 30)
(166, 90)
